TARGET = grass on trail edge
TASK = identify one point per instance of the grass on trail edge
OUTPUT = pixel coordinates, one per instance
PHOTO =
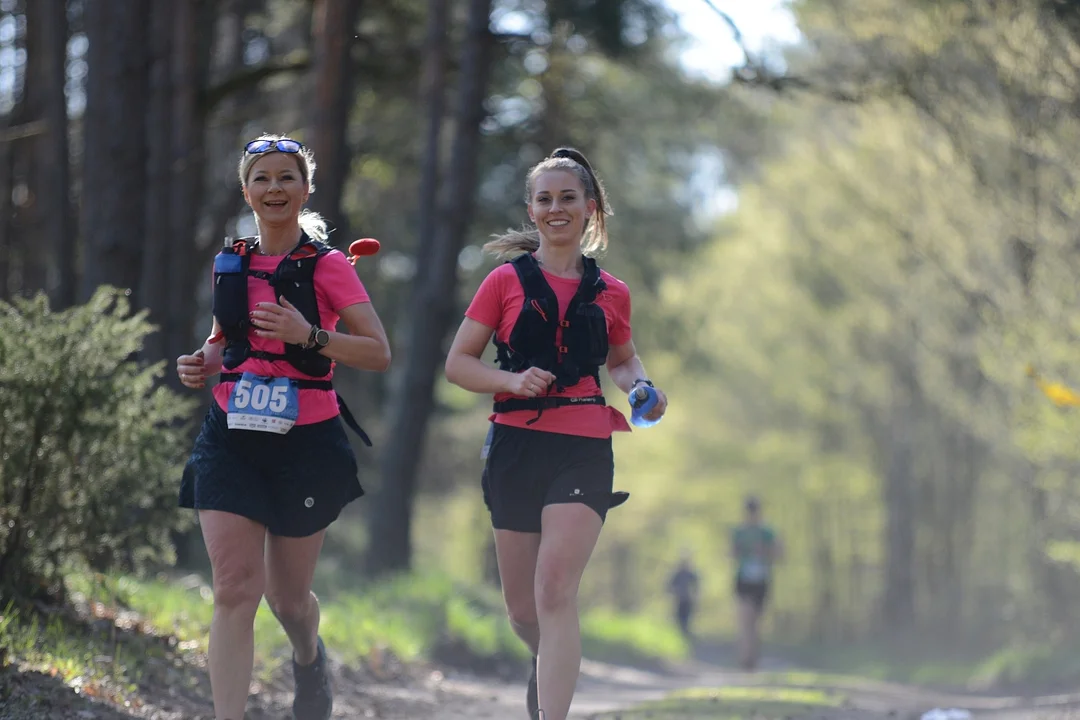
(1031, 667)
(410, 618)
(735, 703)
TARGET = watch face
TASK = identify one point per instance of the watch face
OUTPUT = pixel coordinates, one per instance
(322, 338)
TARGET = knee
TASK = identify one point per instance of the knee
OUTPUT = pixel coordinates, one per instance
(520, 608)
(238, 588)
(556, 588)
(289, 606)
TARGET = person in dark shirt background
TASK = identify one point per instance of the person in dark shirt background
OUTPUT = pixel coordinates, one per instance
(684, 587)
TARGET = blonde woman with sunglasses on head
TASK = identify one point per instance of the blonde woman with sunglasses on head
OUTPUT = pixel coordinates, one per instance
(272, 467)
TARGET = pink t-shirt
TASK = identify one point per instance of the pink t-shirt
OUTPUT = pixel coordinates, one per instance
(337, 286)
(497, 305)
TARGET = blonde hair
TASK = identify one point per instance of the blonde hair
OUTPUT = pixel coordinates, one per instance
(311, 222)
(594, 237)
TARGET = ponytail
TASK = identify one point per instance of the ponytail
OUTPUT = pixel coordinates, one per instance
(513, 243)
(314, 225)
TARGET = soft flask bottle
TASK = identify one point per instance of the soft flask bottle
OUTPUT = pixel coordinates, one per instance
(642, 400)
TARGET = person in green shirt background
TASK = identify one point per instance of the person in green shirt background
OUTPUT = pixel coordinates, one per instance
(755, 550)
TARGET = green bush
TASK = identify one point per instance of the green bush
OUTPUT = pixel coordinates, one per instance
(629, 638)
(90, 443)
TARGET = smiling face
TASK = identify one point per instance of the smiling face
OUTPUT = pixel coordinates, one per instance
(275, 188)
(559, 208)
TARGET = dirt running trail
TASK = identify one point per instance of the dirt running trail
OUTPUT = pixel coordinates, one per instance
(608, 688)
(604, 690)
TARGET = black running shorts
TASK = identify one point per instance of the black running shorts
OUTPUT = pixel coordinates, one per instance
(295, 484)
(527, 470)
(756, 593)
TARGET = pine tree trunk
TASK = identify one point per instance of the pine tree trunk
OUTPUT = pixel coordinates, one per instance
(432, 310)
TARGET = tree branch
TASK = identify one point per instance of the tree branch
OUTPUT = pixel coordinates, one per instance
(754, 73)
(250, 77)
(19, 132)
(509, 36)
(736, 34)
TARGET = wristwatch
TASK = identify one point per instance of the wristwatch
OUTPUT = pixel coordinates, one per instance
(318, 338)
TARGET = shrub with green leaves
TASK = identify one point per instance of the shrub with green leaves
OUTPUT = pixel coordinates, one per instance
(91, 444)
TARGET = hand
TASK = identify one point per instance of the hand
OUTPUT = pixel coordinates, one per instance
(659, 408)
(280, 322)
(192, 370)
(530, 383)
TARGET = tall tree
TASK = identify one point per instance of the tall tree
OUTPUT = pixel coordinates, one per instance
(175, 129)
(153, 293)
(333, 29)
(433, 95)
(432, 308)
(115, 145)
(190, 67)
(27, 220)
(47, 20)
(898, 488)
(434, 90)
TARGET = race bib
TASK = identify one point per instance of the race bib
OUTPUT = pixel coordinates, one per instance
(754, 570)
(263, 404)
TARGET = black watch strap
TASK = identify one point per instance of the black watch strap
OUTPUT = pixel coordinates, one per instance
(643, 380)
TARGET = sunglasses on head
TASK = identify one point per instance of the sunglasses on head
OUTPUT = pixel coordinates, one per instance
(285, 145)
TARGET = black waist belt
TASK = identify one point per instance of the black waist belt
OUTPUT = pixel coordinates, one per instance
(302, 384)
(346, 414)
(264, 355)
(540, 404)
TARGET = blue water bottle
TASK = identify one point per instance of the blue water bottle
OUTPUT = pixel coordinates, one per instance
(642, 400)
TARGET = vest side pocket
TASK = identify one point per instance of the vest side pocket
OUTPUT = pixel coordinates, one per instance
(590, 331)
(230, 293)
(533, 336)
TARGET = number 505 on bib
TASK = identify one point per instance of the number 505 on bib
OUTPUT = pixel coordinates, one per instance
(263, 404)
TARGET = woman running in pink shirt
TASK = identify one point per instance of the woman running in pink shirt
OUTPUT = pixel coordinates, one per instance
(272, 467)
(556, 319)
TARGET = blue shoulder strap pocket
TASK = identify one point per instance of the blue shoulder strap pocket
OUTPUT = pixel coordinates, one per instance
(228, 263)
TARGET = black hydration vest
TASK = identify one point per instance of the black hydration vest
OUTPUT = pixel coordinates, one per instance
(532, 342)
(293, 279)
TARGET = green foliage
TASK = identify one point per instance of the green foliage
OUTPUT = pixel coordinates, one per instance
(609, 636)
(1020, 667)
(90, 444)
(1050, 665)
(91, 661)
(417, 617)
(892, 267)
(846, 665)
